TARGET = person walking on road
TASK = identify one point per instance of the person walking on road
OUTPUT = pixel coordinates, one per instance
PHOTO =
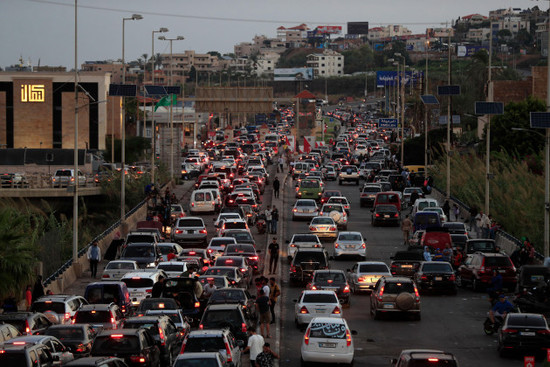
(262, 303)
(268, 218)
(273, 255)
(274, 293)
(276, 186)
(28, 297)
(406, 227)
(265, 359)
(274, 219)
(94, 256)
(281, 164)
(255, 345)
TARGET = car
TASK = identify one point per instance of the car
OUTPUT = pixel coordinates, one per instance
(240, 236)
(213, 340)
(406, 263)
(385, 214)
(136, 346)
(235, 295)
(350, 244)
(327, 194)
(407, 192)
(210, 359)
(99, 316)
(477, 270)
(337, 213)
(140, 284)
(60, 354)
(395, 295)
(302, 240)
(364, 275)
(422, 203)
(424, 220)
(220, 281)
(246, 250)
(480, 245)
(233, 273)
(309, 189)
(226, 316)
(323, 227)
(109, 292)
(524, 332)
(26, 356)
(7, 332)
(176, 211)
(228, 224)
(66, 177)
(217, 245)
(27, 323)
(438, 210)
(424, 357)
(239, 262)
(436, 276)
(116, 269)
(187, 293)
(145, 254)
(172, 268)
(348, 174)
(166, 248)
(328, 340)
(305, 261)
(197, 251)
(155, 304)
(368, 194)
(329, 173)
(332, 280)
(316, 303)
(340, 200)
(189, 230)
(58, 308)
(176, 315)
(13, 180)
(304, 209)
(455, 227)
(224, 216)
(459, 241)
(164, 332)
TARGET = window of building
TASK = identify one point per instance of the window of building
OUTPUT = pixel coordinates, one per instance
(322, 64)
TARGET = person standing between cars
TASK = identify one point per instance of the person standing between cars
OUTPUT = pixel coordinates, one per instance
(276, 186)
(274, 219)
(268, 218)
(274, 293)
(406, 227)
(479, 224)
(158, 287)
(255, 345)
(456, 212)
(447, 252)
(485, 226)
(209, 288)
(473, 216)
(262, 303)
(94, 256)
(427, 254)
(446, 209)
(265, 359)
(273, 255)
(171, 255)
(28, 297)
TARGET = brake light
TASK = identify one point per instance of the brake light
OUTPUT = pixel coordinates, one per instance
(336, 310)
(362, 279)
(178, 231)
(396, 215)
(138, 359)
(67, 315)
(201, 327)
(348, 338)
(381, 294)
(27, 328)
(336, 245)
(304, 310)
(116, 336)
(543, 332)
(203, 231)
(306, 337)
(333, 228)
(294, 210)
(192, 204)
(253, 257)
(363, 245)
(73, 321)
(161, 336)
(197, 304)
(433, 360)
(416, 294)
(313, 287)
(105, 276)
(452, 277)
(292, 268)
(243, 327)
(311, 228)
(19, 343)
(346, 289)
(81, 348)
(377, 215)
(228, 352)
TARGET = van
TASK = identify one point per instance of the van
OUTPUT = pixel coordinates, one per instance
(423, 220)
(107, 292)
(300, 167)
(415, 168)
(389, 198)
(202, 201)
(422, 203)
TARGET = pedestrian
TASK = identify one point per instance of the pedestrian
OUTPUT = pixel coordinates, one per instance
(447, 252)
(274, 219)
(456, 212)
(265, 359)
(167, 196)
(28, 297)
(446, 209)
(265, 286)
(427, 254)
(273, 255)
(209, 288)
(485, 226)
(255, 345)
(281, 164)
(276, 186)
(414, 197)
(154, 194)
(473, 216)
(406, 227)
(274, 293)
(267, 213)
(479, 224)
(262, 303)
(94, 256)
(171, 255)
(158, 287)
(38, 289)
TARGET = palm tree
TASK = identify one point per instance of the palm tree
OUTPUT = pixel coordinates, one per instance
(158, 61)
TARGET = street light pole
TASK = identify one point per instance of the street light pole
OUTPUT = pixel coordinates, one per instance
(401, 92)
(75, 157)
(488, 135)
(547, 156)
(426, 117)
(178, 38)
(123, 129)
(449, 122)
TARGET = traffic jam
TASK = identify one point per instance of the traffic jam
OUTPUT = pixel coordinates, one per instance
(351, 227)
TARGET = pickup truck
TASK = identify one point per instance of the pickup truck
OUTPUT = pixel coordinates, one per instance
(348, 174)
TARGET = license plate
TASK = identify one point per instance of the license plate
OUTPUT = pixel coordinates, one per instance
(320, 310)
(331, 289)
(386, 216)
(190, 231)
(407, 266)
(527, 333)
(350, 246)
(388, 305)
(438, 278)
(502, 271)
(322, 228)
(327, 345)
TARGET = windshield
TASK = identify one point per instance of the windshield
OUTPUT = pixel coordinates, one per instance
(329, 278)
(309, 184)
(228, 262)
(304, 238)
(437, 268)
(139, 251)
(239, 249)
(207, 344)
(43, 306)
(373, 268)
(69, 333)
(214, 318)
(324, 220)
(240, 236)
(171, 267)
(519, 321)
(120, 266)
(331, 208)
(305, 203)
(349, 237)
(305, 256)
(227, 272)
(497, 261)
(92, 317)
(319, 298)
(225, 295)
(396, 288)
(235, 225)
(197, 362)
(190, 223)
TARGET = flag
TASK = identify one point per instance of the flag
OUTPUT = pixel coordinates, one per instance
(307, 146)
(316, 145)
(165, 101)
(287, 142)
(297, 150)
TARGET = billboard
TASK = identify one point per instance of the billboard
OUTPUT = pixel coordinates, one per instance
(329, 29)
(315, 35)
(292, 74)
(358, 27)
(389, 78)
(468, 51)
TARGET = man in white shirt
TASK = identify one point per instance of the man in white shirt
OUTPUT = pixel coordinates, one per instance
(255, 345)
(265, 287)
(268, 218)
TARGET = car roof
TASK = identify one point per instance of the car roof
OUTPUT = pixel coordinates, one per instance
(198, 355)
(329, 320)
(207, 332)
(310, 291)
(329, 271)
(223, 306)
(398, 279)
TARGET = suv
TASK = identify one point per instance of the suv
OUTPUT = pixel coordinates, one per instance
(189, 229)
(332, 280)
(163, 330)
(66, 177)
(27, 323)
(136, 346)
(395, 295)
(146, 254)
(104, 316)
(235, 295)
(214, 340)
(226, 316)
(97, 362)
(107, 292)
(27, 355)
(424, 357)
(406, 263)
(7, 332)
(348, 174)
(302, 240)
(477, 270)
(140, 284)
(60, 354)
(305, 262)
(58, 308)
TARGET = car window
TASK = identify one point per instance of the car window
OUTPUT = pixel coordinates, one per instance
(329, 278)
(115, 343)
(197, 362)
(327, 330)
(323, 220)
(373, 268)
(497, 261)
(190, 222)
(396, 288)
(349, 237)
(43, 306)
(91, 317)
(69, 333)
(138, 251)
(137, 282)
(524, 321)
(304, 238)
(435, 268)
(206, 344)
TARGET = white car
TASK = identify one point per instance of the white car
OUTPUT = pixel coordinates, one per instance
(328, 340)
(216, 247)
(422, 203)
(116, 269)
(340, 200)
(140, 284)
(172, 268)
(300, 240)
(350, 243)
(337, 213)
(364, 275)
(438, 210)
(304, 209)
(316, 303)
(222, 216)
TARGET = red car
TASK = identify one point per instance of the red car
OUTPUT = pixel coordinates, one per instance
(327, 194)
(477, 270)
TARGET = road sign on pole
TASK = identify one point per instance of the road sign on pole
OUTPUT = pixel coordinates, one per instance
(387, 123)
(528, 361)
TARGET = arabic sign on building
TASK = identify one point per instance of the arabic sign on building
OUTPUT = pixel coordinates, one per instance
(329, 29)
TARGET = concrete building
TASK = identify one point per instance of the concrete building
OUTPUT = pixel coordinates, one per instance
(326, 64)
(513, 23)
(107, 66)
(473, 19)
(379, 33)
(478, 34)
(542, 37)
(182, 62)
(294, 37)
(266, 63)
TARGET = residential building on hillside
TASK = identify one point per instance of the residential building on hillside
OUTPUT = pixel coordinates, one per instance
(108, 66)
(265, 63)
(478, 34)
(513, 23)
(326, 64)
(179, 63)
(473, 19)
(396, 30)
(294, 37)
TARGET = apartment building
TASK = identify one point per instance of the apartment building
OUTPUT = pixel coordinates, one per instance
(326, 64)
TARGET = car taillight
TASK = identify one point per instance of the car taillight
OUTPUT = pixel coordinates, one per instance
(381, 294)
(161, 336)
(294, 210)
(243, 327)
(105, 276)
(67, 315)
(150, 290)
(201, 327)
(253, 257)
(81, 348)
(203, 231)
(396, 215)
(543, 332)
(178, 231)
(292, 268)
(27, 328)
(377, 215)
(333, 228)
(336, 245)
(113, 322)
(434, 360)
(509, 331)
(306, 336)
(192, 204)
(348, 338)
(311, 228)
(138, 359)
(313, 287)
(452, 277)
(336, 310)
(197, 304)
(228, 353)
(346, 289)
(183, 346)
(362, 279)
(304, 310)
(73, 321)
(416, 294)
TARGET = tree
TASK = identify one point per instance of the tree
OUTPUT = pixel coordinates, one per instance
(215, 53)
(524, 38)
(358, 60)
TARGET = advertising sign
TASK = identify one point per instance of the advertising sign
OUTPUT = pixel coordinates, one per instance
(387, 123)
(292, 74)
(358, 27)
(378, 47)
(315, 35)
(329, 29)
(389, 78)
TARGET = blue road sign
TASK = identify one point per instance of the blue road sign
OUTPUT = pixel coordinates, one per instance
(540, 120)
(387, 123)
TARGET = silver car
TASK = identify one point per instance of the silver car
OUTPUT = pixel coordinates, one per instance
(189, 229)
(302, 240)
(364, 275)
(304, 209)
(350, 243)
(323, 227)
(116, 269)
(316, 303)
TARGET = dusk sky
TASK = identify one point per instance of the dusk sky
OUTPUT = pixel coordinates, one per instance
(44, 29)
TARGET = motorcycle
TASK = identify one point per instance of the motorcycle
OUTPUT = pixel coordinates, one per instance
(491, 328)
(261, 224)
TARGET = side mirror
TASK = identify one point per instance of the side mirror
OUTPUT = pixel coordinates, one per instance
(354, 332)
(287, 241)
(294, 300)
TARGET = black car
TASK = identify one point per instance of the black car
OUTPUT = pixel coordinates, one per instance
(27, 323)
(385, 214)
(142, 253)
(305, 262)
(187, 294)
(436, 276)
(235, 295)
(332, 280)
(480, 245)
(246, 250)
(97, 362)
(524, 332)
(459, 241)
(156, 304)
(136, 346)
(77, 337)
(163, 330)
(406, 263)
(226, 316)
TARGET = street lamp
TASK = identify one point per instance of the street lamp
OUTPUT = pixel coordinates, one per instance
(426, 117)
(75, 157)
(402, 98)
(123, 128)
(161, 30)
(178, 38)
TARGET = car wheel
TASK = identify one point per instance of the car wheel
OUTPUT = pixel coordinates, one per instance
(302, 362)
(459, 282)
(340, 182)
(475, 285)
